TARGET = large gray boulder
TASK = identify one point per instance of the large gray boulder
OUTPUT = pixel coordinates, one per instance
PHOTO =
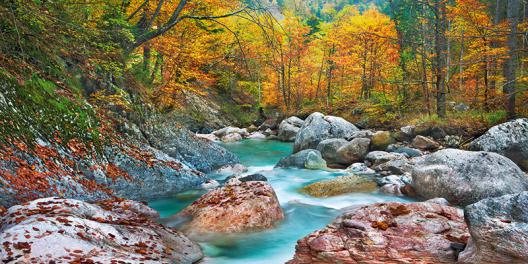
(353, 151)
(181, 144)
(499, 230)
(464, 177)
(318, 127)
(509, 139)
(304, 159)
(329, 147)
(55, 230)
(289, 128)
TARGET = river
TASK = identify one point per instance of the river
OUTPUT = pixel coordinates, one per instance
(303, 214)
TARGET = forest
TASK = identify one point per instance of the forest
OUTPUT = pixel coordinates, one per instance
(263, 131)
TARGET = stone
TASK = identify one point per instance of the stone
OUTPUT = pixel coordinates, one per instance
(409, 152)
(452, 141)
(440, 201)
(424, 143)
(509, 139)
(379, 157)
(360, 169)
(408, 131)
(398, 166)
(353, 151)
(256, 135)
(340, 185)
(499, 230)
(245, 207)
(360, 134)
(236, 179)
(387, 233)
(55, 230)
(465, 177)
(230, 130)
(210, 137)
(329, 147)
(234, 137)
(393, 179)
(289, 128)
(461, 107)
(231, 170)
(305, 159)
(381, 139)
(209, 184)
(318, 127)
(252, 128)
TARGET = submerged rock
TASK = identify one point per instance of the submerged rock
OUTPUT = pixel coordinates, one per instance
(387, 233)
(305, 159)
(464, 177)
(54, 230)
(318, 127)
(340, 185)
(248, 206)
(509, 139)
(499, 230)
(289, 128)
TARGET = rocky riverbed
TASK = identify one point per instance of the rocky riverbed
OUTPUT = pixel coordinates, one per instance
(255, 212)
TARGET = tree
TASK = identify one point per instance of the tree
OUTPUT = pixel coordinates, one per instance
(510, 66)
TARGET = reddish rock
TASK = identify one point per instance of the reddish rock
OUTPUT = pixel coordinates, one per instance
(387, 233)
(247, 206)
(55, 230)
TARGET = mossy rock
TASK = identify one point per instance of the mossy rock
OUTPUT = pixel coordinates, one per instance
(381, 139)
(340, 185)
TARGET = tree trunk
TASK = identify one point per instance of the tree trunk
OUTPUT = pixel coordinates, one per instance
(440, 45)
(510, 66)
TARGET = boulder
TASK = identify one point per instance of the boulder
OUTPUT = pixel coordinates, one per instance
(270, 123)
(509, 139)
(381, 140)
(234, 137)
(360, 134)
(318, 127)
(360, 169)
(305, 159)
(210, 137)
(231, 170)
(55, 230)
(289, 127)
(230, 130)
(398, 166)
(387, 233)
(340, 185)
(378, 157)
(256, 135)
(409, 152)
(248, 206)
(329, 147)
(465, 177)
(499, 230)
(353, 151)
(236, 179)
(408, 131)
(424, 143)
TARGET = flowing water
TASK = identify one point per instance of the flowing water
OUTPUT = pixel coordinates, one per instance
(303, 214)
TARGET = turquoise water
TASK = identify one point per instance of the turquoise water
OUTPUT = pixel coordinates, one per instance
(303, 214)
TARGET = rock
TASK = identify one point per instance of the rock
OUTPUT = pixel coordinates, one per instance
(438, 133)
(360, 134)
(180, 144)
(318, 127)
(226, 131)
(399, 180)
(236, 179)
(353, 151)
(440, 201)
(270, 123)
(268, 132)
(248, 206)
(231, 170)
(289, 127)
(329, 147)
(210, 137)
(380, 140)
(304, 159)
(408, 131)
(379, 157)
(256, 135)
(54, 230)
(461, 107)
(340, 185)
(387, 233)
(452, 141)
(509, 139)
(393, 189)
(398, 166)
(361, 169)
(499, 230)
(424, 143)
(465, 177)
(252, 128)
(209, 184)
(234, 137)
(409, 152)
